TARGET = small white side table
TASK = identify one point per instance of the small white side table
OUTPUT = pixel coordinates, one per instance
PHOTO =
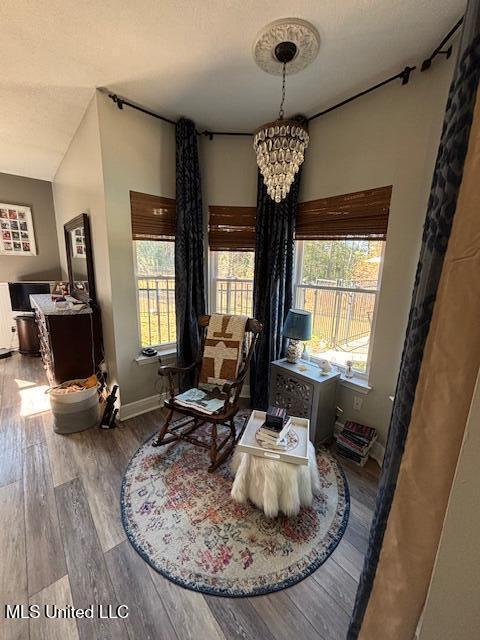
(273, 485)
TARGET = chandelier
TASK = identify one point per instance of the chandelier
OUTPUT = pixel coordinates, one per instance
(280, 145)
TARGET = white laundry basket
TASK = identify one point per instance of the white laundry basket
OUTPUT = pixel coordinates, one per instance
(74, 411)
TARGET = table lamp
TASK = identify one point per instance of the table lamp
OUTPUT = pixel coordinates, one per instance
(297, 327)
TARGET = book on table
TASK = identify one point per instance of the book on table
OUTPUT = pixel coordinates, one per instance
(297, 452)
(272, 438)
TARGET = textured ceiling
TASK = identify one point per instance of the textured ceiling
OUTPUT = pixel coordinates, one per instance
(188, 57)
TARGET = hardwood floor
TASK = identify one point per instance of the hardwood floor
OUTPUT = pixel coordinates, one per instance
(62, 541)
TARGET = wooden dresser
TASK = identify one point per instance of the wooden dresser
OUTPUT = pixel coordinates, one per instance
(67, 342)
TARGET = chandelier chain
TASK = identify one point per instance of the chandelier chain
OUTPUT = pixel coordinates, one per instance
(280, 148)
(281, 112)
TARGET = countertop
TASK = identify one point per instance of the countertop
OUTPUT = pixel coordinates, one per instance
(44, 303)
(307, 370)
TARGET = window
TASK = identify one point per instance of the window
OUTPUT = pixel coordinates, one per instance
(232, 281)
(340, 242)
(338, 282)
(153, 229)
(155, 274)
(231, 238)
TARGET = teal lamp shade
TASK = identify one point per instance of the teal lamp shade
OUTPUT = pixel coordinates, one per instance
(298, 325)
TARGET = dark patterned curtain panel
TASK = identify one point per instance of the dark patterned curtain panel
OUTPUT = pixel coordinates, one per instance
(442, 205)
(273, 282)
(189, 249)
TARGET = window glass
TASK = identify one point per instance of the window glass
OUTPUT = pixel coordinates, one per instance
(338, 283)
(232, 275)
(155, 274)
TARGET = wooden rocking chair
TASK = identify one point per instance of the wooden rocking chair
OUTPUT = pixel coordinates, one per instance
(230, 393)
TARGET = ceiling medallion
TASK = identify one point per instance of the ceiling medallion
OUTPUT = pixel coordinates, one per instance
(303, 35)
(280, 145)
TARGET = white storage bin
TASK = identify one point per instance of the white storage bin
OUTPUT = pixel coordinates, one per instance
(75, 411)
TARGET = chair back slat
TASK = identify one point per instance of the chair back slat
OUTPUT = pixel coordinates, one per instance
(252, 327)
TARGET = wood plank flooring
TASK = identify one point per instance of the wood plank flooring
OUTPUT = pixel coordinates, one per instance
(62, 542)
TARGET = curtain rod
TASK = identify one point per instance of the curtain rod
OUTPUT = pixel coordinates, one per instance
(403, 75)
(123, 102)
(427, 63)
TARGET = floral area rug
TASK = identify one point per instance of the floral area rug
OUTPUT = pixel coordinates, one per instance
(183, 522)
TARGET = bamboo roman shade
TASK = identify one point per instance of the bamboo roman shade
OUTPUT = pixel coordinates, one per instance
(153, 217)
(231, 228)
(362, 215)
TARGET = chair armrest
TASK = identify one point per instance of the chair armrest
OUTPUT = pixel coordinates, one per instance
(232, 388)
(230, 385)
(170, 370)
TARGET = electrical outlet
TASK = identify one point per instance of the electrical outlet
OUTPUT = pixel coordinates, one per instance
(357, 403)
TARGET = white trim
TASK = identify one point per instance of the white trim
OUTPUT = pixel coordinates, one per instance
(167, 352)
(373, 328)
(377, 452)
(142, 360)
(212, 271)
(144, 405)
(137, 303)
(360, 385)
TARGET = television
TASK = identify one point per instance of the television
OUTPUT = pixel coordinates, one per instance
(20, 293)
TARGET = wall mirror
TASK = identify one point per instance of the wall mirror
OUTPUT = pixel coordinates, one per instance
(80, 258)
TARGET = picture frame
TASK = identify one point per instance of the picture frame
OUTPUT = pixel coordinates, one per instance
(17, 235)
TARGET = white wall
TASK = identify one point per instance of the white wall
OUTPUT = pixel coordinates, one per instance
(452, 608)
(229, 171)
(388, 137)
(138, 154)
(78, 188)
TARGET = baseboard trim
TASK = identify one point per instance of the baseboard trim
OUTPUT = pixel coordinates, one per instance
(133, 409)
(377, 452)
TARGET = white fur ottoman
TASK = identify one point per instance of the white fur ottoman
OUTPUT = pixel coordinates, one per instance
(275, 486)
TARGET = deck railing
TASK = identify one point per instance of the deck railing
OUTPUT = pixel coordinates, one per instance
(342, 316)
(233, 296)
(156, 309)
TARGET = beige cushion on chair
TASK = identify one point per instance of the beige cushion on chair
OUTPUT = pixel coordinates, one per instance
(223, 348)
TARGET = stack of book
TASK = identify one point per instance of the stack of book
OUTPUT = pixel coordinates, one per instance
(354, 442)
(272, 439)
(274, 431)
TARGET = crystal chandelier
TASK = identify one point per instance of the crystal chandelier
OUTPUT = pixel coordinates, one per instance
(280, 145)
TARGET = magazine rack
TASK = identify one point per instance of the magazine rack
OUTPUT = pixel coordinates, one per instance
(230, 394)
